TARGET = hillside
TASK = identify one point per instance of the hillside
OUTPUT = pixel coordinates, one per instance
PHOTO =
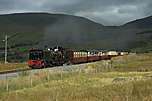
(58, 29)
(141, 32)
(44, 29)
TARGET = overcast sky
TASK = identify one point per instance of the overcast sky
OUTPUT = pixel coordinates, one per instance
(107, 12)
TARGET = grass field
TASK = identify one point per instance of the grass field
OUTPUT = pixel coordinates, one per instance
(11, 66)
(127, 78)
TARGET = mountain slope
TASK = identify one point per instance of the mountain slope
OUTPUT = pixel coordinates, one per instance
(140, 23)
(41, 29)
(141, 31)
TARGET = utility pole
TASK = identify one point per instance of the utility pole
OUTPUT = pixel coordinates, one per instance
(5, 48)
(6, 44)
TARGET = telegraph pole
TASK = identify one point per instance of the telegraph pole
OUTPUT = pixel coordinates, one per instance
(6, 44)
(6, 48)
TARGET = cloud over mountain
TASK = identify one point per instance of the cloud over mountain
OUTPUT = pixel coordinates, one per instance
(107, 12)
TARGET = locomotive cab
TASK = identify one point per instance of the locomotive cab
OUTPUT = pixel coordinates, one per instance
(36, 59)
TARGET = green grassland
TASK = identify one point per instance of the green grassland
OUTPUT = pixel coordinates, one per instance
(124, 78)
(12, 66)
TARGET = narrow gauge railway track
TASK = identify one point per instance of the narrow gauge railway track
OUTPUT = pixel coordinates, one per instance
(25, 69)
(5, 75)
(14, 73)
(30, 69)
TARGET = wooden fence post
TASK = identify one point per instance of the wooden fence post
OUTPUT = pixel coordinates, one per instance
(7, 84)
(48, 76)
(31, 81)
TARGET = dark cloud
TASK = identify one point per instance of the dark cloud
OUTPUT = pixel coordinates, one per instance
(107, 12)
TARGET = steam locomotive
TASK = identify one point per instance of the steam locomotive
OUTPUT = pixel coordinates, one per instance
(59, 56)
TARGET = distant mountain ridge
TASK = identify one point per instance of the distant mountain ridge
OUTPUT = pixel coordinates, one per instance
(44, 29)
(140, 23)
